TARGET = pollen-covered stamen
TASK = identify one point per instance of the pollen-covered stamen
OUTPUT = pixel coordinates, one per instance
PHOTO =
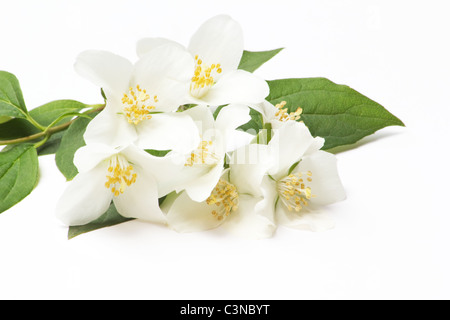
(224, 198)
(203, 78)
(138, 104)
(204, 154)
(121, 175)
(294, 191)
(283, 115)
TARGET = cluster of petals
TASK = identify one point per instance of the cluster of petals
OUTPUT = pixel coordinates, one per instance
(212, 173)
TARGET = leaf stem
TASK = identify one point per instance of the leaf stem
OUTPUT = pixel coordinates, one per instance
(47, 132)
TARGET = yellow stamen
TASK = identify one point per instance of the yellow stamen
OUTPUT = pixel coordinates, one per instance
(202, 155)
(203, 78)
(122, 175)
(293, 192)
(283, 115)
(225, 198)
(137, 107)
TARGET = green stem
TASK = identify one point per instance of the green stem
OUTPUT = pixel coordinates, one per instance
(48, 132)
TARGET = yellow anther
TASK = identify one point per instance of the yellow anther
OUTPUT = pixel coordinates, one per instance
(283, 115)
(225, 198)
(138, 107)
(293, 192)
(122, 175)
(203, 78)
(202, 155)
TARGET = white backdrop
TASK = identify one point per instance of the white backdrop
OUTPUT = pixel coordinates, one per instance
(391, 239)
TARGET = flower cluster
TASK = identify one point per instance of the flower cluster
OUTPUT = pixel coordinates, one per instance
(168, 147)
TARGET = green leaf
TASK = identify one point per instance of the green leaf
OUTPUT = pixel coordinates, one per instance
(335, 112)
(71, 141)
(252, 60)
(255, 124)
(52, 111)
(16, 128)
(108, 219)
(52, 144)
(11, 98)
(157, 153)
(19, 169)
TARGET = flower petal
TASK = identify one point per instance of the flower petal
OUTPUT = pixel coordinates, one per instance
(140, 200)
(88, 157)
(326, 185)
(165, 170)
(289, 143)
(168, 131)
(165, 72)
(202, 117)
(199, 187)
(240, 87)
(186, 215)
(248, 166)
(85, 199)
(110, 128)
(219, 40)
(304, 220)
(106, 70)
(247, 222)
(146, 45)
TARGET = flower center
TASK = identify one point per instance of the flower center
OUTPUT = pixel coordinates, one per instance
(121, 175)
(283, 115)
(293, 191)
(225, 198)
(138, 105)
(202, 155)
(203, 78)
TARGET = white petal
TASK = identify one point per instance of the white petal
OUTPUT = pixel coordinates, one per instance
(140, 200)
(247, 222)
(165, 72)
(85, 199)
(326, 185)
(240, 87)
(186, 215)
(248, 166)
(165, 170)
(219, 40)
(202, 117)
(232, 116)
(289, 143)
(106, 70)
(199, 188)
(146, 45)
(305, 220)
(168, 131)
(88, 157)
(110, 128)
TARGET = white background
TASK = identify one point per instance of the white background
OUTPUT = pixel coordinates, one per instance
(392, 235)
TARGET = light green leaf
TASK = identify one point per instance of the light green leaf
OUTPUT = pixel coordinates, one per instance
(335, 112)
(11, 98)
(19, 169)
(71, 141)
(108, 219)
(252, 60)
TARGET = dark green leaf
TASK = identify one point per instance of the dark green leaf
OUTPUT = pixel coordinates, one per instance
(71, 141)
(11, 98)
(157, 153)
(108, 219)
(255, 124)
(252, 60)
(49, 112)
(19, 169)
(335, 112)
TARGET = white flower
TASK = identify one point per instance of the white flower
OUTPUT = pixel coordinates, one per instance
(216, 49)
(237, 202)
(204, 165)
(277, 115)
(141, 99)
(303, 178)
(130, 177)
